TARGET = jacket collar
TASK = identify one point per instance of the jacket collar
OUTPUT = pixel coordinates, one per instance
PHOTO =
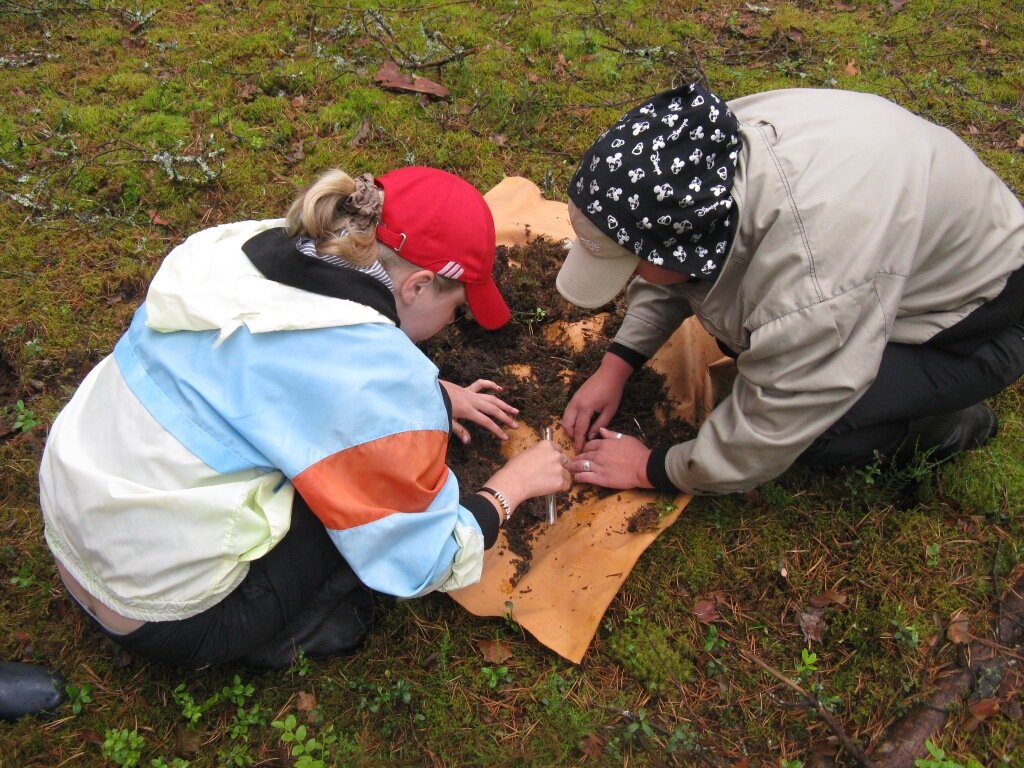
(274, 254)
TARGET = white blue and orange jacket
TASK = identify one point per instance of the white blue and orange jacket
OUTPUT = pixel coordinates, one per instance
(252, 372)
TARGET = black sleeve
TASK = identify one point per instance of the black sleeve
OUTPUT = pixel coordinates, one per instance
(635, 359)
(486, 517)
(656, 474)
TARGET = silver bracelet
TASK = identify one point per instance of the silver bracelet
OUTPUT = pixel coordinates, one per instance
(505, 506)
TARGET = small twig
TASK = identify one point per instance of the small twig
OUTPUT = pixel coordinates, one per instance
(462, 53)
(812, 702)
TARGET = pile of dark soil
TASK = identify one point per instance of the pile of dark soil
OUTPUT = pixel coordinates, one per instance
(464, 352)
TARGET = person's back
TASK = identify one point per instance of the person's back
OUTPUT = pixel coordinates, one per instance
(842, 188)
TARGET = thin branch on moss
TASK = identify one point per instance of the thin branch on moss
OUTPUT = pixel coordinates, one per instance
(812, 702)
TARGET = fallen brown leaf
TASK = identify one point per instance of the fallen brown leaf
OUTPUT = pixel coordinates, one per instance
(897, 5)
(89, 736)
(959, 629)
(305, 702)
(156, 219)
(299, 102)
(495, 651)
(248, 91)
(706, 611)
(980, 712)
(592, 746)
(827, 598)
(389, 76)
(812, 624)
(851, 68)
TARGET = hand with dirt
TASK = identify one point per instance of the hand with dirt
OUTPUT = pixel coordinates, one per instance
(473, 404)
(539, 470)
(599, 397)
(613, 460)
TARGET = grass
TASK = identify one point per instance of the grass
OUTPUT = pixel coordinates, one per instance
(126, 126)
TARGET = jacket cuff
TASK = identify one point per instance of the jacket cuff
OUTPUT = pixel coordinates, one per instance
(486, 517)
(656, 473)
(631, 356)
(447, 404)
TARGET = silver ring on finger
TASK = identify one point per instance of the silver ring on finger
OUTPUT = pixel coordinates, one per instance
(586, 466)
(618, 436)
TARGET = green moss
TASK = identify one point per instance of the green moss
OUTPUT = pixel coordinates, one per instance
(263, 110)
(128, 85)
(991, 480)
(9, 140)
(168, 97)
(94, 119)
(160, 130)
(291, 77)
(651, 654)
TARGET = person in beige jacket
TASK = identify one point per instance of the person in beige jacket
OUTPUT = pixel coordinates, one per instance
(861, 264)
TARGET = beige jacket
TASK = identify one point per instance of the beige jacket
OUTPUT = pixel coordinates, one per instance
(860, 224)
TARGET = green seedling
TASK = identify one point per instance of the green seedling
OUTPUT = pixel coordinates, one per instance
(937, 759)
(712, 642)
(177, 762)
(808, 663)
(78, 696)
(495, 676)
(123, 746)
(533, 317)
(309, 751)
(25, 420)
(24, 578)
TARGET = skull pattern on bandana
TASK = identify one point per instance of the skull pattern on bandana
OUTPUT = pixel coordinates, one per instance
(659, 181)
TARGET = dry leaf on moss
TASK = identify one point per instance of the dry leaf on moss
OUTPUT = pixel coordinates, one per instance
(812, 624)
(705, 611)
(305, 702)
(494, 651)
(593, 747)
(959, 630)
(389, 76)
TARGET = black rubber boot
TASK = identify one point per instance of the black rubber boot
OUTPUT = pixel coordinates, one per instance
(27, 689)
(943, 437)
(333, 622)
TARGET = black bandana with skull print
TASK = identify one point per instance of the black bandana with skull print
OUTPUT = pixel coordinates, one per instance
(659, 181)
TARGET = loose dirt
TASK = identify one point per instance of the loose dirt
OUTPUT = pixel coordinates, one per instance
(540, 358)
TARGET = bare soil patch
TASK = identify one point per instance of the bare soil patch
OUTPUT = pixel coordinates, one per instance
(540, 358)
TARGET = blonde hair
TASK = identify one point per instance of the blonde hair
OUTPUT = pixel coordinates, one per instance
(341, 215)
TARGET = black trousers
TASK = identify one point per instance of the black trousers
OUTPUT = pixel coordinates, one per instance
(916, 381)
(300, 586)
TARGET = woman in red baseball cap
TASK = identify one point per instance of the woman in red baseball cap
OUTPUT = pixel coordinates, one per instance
(265, 449)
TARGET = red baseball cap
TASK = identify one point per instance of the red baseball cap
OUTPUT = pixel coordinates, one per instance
(440, 222)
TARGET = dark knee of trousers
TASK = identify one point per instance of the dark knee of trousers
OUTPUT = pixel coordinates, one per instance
(856, 447)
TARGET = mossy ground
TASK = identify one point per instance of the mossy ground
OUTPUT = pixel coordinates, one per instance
(126, 126)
